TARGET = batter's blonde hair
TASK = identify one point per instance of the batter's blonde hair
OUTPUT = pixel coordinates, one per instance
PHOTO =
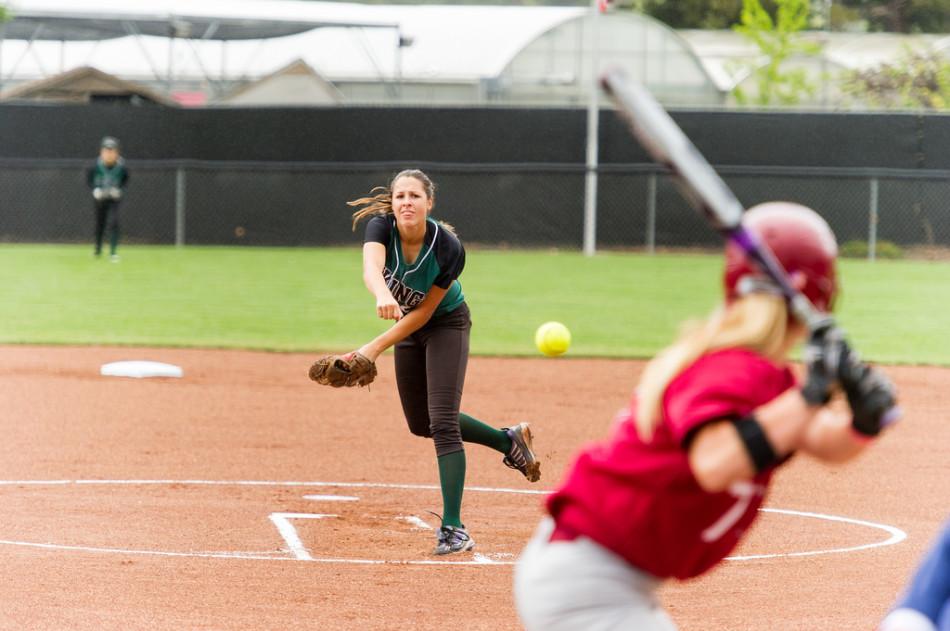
(758, 322)
(380, 198)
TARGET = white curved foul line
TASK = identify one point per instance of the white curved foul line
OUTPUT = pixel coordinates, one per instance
(896, 535)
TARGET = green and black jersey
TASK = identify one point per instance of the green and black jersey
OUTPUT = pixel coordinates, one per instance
(101, 175)
(440, 262)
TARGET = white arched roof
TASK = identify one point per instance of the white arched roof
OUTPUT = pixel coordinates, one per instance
(447, 42)
(557, 66)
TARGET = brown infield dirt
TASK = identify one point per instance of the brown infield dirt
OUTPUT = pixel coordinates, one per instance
(174, 503)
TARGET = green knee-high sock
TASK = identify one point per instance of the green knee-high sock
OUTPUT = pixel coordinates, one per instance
(452, 480)
(114, 241)
(474, 431)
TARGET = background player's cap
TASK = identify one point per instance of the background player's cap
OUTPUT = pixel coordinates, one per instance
(110, 143)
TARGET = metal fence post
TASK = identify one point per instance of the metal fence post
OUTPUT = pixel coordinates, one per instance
(593, 125)
(872, 220)
(651, 213)
(180, 200)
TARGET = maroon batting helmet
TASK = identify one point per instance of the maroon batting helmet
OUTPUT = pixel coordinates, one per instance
(801, 241)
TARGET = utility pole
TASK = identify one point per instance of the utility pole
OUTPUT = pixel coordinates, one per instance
(402, 41)
(593, 124)
(826, 27)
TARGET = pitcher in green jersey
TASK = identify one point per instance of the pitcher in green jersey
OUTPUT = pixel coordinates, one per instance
(411, 265)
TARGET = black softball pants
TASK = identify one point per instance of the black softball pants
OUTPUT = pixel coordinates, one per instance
(107, 218)
(430, 373)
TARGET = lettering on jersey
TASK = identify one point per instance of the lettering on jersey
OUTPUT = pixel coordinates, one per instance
(407, 297)
(744, 491)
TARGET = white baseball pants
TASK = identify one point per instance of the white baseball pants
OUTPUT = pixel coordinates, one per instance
(580, 586)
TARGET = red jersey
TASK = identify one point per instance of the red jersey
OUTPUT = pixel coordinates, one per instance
(641, 501)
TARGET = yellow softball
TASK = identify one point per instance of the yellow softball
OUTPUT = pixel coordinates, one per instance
(552, 338)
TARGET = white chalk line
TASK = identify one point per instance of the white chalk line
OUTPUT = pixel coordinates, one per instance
(264, 556)
(416, 521)
(289, 533)
(261, 556)
(331, 498)
(491, 559)
(298, 551)
(360, 485)
(896, 536)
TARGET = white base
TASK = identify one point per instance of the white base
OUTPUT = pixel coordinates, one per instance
(140, 368)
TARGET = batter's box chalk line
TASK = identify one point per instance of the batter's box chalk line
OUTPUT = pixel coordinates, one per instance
(296, 550)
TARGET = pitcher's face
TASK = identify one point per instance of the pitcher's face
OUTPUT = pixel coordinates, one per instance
(411, 203)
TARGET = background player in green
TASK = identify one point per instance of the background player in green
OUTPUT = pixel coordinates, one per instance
(411, 264)
(107, 178)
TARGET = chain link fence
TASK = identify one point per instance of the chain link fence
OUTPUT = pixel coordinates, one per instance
(496, 205)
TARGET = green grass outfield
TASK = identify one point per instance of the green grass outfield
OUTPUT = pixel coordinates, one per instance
(310, 299)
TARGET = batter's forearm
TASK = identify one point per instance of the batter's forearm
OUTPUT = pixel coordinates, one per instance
(785, 420)
(830, 437)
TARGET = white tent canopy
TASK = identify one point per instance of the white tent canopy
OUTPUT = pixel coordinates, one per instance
(446, 41)
(202, 19)
(372, 53)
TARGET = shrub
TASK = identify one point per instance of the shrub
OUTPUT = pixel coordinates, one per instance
(858, 249)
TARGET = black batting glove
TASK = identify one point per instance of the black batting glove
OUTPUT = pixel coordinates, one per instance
(870, 394)
(823, 355)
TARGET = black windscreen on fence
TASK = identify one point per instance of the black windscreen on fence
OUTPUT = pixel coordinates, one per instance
(505, 176)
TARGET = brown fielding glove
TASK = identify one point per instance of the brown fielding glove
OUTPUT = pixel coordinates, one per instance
(352, 369)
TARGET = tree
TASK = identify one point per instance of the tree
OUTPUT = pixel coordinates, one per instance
(903, 16)
(777, 41)
(918, 80)
(707, 14)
